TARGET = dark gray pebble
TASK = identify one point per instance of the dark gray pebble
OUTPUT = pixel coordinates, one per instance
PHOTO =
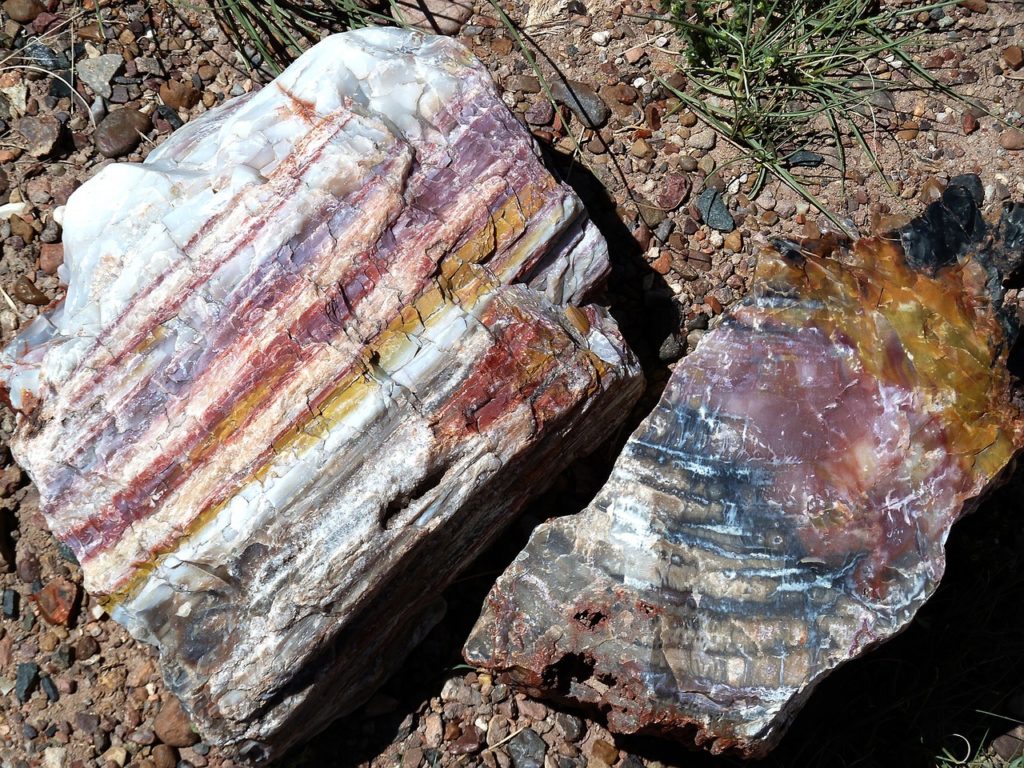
(713, 211)
(583, 101)
(527, 749)
(50, 689)
(10, 604)
(26, 680)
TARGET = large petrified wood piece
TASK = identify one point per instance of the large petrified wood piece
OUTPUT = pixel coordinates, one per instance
(785, 506)
(315, 352)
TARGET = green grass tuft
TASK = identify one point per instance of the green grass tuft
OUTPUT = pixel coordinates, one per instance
(776, 76)
(280, 30)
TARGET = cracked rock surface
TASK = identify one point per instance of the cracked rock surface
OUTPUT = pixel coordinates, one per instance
(786, 505)
(315, 352)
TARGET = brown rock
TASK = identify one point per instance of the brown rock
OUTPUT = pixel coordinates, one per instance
(172, 726)
(1012, 139)
(90, 32)
(652, 116)
(931, 190)
(605, 752)
(540, 112)
(86, 648)
(21, 228)
(41, 133)
(688, 119)
(1013, 55)
(969, 123)
(734, 241)
(674, 190)
(975, 6)
(908, 130)
(633, 55)
(51, 256)
(28, 567)
(120, 132)
(620, 92)
(642, 235)
(23, 11)
(641, 148)
(1010, 745)
(179, 95)
(164, 756)
(25, 291)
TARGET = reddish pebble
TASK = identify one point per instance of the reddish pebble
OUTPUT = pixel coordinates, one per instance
(56, 601)
(51, 256)
(662, 264)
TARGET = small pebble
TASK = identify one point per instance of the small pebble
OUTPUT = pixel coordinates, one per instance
(583, 101)
(704, 140)
(1012, 139)
(49, 688)
(25, 290)
(714, 212)
(27, 677)
(23, 11)
(119, 132)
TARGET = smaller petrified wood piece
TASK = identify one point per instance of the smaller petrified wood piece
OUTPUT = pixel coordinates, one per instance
(785, 506)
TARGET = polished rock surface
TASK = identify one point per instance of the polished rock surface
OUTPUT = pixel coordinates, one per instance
(315, 353)
(785, 506)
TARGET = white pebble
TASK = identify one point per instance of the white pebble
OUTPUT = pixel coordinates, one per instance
(602, 37)
(13, 209)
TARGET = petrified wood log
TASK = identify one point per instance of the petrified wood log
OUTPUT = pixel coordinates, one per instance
(315, 352)
(786, 504)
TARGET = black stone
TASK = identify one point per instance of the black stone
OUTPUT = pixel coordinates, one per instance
(59, 84)
(804, 158)
(970, 182)
(527, 749)
(50, 689)
(39, 55)
(26, 680)
(948, 227)
(10, 604)
(713, 211)
(170, 115)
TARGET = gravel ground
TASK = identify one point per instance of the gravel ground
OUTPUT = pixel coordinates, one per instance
(82, 86)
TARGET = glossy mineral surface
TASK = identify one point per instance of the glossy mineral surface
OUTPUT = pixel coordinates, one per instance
(786, 504)
(316, 351)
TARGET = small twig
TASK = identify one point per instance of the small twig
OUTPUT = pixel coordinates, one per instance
(10, 303)
(506, 739)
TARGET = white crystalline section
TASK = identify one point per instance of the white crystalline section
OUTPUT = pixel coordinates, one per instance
(575, 266)
(133, 222)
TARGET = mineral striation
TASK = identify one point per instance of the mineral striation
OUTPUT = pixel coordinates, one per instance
(315, 352)
(785, 506)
